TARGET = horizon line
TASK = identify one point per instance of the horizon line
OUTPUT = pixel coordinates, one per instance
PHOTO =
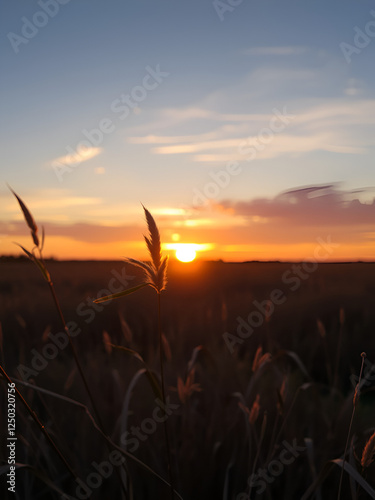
(24, 258)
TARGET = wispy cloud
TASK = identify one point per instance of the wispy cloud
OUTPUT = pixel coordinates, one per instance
(319, 127)
(285, 226)
(83, 232)
(281, 145)
(338, 123)
(195, 147)
(57, 202)
(77, 156)
(70, 201)
(171, 139)
(52, 205)
(312, 206)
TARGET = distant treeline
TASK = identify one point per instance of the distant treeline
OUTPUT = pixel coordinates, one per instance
(20, 258)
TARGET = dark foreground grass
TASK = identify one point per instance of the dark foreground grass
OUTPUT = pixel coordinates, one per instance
(230, 419)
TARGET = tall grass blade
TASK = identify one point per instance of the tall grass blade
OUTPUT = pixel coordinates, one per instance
(355, 402)
(327, 469)
(120, 294)
(37, 262)
(131, 352)
(368, 452)
(151, 377)
(95, 425)
(128, 335)
(29, 218)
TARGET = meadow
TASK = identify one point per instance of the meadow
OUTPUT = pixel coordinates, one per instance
(264, 420)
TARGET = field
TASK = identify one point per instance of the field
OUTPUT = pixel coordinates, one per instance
(261, 364)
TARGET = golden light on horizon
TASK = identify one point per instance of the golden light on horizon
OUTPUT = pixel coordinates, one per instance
(187, 252)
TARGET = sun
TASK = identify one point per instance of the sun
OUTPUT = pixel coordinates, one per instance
(185, 252)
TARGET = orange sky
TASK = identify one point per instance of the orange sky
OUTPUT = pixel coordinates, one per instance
(245, 132)
(286, 227)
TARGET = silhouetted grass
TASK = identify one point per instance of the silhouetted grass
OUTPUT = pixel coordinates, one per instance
(233, 413)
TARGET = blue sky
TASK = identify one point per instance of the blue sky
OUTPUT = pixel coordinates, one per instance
(224, 81)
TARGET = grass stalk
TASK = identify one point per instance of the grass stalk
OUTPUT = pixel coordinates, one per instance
(35, 417)
(83, 377)
(75, 355)
(40, 263)
(170, 473)
(154, 275)
(94, 423)
(355, 401)
(339, 346)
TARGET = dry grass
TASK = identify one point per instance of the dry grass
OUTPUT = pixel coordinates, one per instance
(368, 452)
(234, 412)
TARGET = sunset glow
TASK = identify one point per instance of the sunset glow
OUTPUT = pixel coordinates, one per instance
(187, 199)
(186, 253)
(256, 162)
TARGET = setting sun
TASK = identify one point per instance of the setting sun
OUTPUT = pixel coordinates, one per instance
(186, 253)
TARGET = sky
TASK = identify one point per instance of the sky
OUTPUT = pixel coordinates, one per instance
(245, 127)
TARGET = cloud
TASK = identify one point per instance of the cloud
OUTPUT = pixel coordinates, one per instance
(313, 206)
(68, 201)
(52, 205)
(198, 146)
(77, 156)
(284, 227)
(337, 126)
(274, 146)
(82, 232)
(158, 139)
(275, 51)
(333, 113)
(48, 201)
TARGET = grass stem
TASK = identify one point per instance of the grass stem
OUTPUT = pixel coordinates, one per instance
(82, 375)
(170, 474)
(35, 417)
(355, 401)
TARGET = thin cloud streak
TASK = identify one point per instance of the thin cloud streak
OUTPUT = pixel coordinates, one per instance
(322, 127)
(77, 157)
(285, 225)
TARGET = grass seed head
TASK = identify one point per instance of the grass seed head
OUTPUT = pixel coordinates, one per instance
(29, 219)
(368, 452)
(153, 241)
(257, 357)
(155, 272)
(107, 342)
(186, 389)
(254, 412)
(321, 328)
(357, 388)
